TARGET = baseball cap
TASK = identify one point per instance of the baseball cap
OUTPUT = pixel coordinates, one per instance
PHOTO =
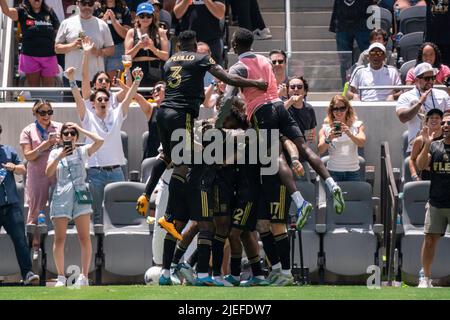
(145, 8)
(156, 3)
(377, 45)
(435, 111)
(424, 67)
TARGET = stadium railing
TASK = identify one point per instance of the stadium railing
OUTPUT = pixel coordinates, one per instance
(401, 87)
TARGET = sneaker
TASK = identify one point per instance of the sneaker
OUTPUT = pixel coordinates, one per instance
(284, 280)
(273, 275)
(186, 273)
(61, 281)
(338, 200)
(425, 283)
(82, 281)
(263, 34)
(230, 279)
(176, 281)
(303, 213)
(209, 282)
(35, 254)
(170, 228)
(165, 281)
(31, 278)
(223, 281)
(255, 282)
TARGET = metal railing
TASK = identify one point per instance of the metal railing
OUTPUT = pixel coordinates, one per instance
(6, 44)
(401, 87)
(288, 34)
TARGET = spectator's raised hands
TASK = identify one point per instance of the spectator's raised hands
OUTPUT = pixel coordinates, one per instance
(137, 74)
(87, 44)
(427, 138)
(70, 73)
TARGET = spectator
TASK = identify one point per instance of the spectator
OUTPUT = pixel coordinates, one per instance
(415, 103)
(147, 44)
(249, 17)
(37, 140)
(164, 17)
(11, 215)
(438, 24)
(68, 162)
(117, 15)
(105, 165)
(302, 112)
(37, 58)
(429, 52)
(375, 74)
(279, 62)
(435, 156)
(70, 34)
(433, 122)
(213, 98)
(377, 35)
(349, 22)
(203, 17)
(403, 4)
(345, 134)
(203, 48)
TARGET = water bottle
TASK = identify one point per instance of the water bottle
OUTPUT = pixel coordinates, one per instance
(41, 217)
(399, 219)
(421, 275)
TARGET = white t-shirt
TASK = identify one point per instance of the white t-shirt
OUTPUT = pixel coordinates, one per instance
(111, 152)
(94, 28)
(80, 153)
(113, 102)
(437, 99)
(343, 151)
(366, 76)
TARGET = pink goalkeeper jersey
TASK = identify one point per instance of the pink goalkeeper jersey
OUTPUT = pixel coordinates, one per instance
(258, 67)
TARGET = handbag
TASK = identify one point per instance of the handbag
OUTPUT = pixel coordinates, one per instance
(82, 196)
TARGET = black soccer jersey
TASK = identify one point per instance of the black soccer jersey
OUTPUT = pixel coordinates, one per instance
(184, 73)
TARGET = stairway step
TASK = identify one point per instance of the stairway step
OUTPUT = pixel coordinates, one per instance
(314, 18)
(297, 45)
(296, 5)
(311, 72)
(303, 33)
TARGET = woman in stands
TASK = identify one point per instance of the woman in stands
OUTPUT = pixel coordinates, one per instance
(37, 59)
(429, 52)
(37, 140)
(147, 44)
(341, 135)
(433, 122)
(71, 197)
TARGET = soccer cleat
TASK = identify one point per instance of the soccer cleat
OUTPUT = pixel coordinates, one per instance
(170, 228)
(338, 200)
(165, 281)
(223, 281)
(425, 283)
(31, 278)
(263, 34)
(303, 213)
(273, 275)
(284, 280)
(184, 271)
(209, 282)
(142, 204)
(230, 279)
(176, 281)
(255, 282)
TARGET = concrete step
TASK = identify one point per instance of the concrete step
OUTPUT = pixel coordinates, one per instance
(299, 33)
(321, 96)
(297, 45)
(314, 18)
(296, 5)
(324, 84)
(311, 72)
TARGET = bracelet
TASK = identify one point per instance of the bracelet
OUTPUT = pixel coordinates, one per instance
(73, 84)
(327, 141)
(294, 159)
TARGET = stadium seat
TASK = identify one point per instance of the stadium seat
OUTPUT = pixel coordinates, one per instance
(415, 197)
(406, 177)
(124, 137)
(405, 143)
(127, 243)
(146, 167)
(144, 141)
(350, 242)
(413, 19)
(409, 45)
(405, 68)
(386, 20)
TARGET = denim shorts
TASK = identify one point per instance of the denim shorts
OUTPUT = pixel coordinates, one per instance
(65, 205)
(115, 61)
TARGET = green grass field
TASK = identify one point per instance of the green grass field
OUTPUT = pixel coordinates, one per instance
(203, 293)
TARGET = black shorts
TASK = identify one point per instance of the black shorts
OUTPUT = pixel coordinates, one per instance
(222, 192)
(246, 198)
(199, 205)
(274, 201)
(168, 121)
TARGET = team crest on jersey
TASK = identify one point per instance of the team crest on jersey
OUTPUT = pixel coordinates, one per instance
(446, 157)
(211, 60)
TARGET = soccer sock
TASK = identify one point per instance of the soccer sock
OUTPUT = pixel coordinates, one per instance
(269, 247)
(193, 258)
(179, 252)
(176, 194)
(155, 173)
(331, 184)
(283, 248)
(297, 198)
(204, 251)
(235, 266)
(255, 264)
(218, 244)
(169, 247)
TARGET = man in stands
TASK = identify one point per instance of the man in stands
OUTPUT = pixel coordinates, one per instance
(413, 105)
(377, 73)
(279, 62)
(436, 156)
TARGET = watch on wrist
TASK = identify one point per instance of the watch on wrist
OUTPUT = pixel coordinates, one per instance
(327, 141)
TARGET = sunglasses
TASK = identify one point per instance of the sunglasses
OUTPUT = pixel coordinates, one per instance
(102, 99)
(340, 109)
(296, 86)
(106, 80)
(145, 15)
(43, 113)
(67, 133)
(445, 123)
(430, 78)
(274, 62)
(376, 53)
(87, 3)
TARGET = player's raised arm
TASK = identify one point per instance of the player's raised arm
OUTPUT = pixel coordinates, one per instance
(235, 80)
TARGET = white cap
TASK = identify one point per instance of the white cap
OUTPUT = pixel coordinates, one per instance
(377, 45)
(423, 68)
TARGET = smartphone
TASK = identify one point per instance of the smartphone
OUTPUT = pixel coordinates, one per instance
(68, 146)
(52, 135)
(337, 128)
(81, 34)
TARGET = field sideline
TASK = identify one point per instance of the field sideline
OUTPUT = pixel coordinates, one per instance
(140, 292)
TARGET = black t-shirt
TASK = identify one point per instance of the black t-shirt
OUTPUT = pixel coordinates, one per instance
(438, 22)
(123, 16)
(350, 15)
(440, 174)
(201, 20)
(305, 117)
(38, 31)
(184, 73)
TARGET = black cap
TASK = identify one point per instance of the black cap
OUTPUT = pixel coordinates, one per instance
(435, 111)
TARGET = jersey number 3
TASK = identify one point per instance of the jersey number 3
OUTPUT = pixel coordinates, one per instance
(175, 77)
